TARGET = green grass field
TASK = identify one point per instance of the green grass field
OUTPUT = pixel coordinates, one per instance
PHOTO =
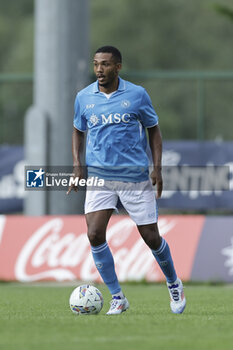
(39, 318)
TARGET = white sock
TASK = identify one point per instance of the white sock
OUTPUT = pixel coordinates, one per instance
(120, 294)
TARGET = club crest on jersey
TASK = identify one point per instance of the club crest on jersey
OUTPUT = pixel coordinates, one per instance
(125, 104)
(94, 119)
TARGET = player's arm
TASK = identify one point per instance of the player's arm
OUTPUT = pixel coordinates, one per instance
(155, 142)
(77, 148)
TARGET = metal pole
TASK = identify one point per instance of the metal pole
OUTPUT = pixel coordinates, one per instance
(61, 68)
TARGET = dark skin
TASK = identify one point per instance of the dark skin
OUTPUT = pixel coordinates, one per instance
(106, 69)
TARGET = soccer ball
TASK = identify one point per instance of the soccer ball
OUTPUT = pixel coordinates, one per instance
(86, 300)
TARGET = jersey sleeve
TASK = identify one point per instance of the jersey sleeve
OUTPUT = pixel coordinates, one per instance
(80, 122)
(147, 114)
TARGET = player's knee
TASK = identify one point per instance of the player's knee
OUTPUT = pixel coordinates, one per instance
(152, 239)
(151, 236)
(96, 237)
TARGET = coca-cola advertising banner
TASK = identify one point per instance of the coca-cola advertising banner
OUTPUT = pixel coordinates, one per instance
(56, 248)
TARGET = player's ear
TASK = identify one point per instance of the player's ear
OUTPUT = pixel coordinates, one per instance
(118, 67)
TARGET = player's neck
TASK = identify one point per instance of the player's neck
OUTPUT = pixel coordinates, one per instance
(108, 89)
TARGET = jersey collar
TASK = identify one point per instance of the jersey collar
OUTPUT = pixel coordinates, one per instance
(121, 86)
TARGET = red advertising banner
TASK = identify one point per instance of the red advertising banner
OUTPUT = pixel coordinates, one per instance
(57, 248)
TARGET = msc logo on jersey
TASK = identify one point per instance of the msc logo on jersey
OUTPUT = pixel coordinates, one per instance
(103, 119)
(35, 178)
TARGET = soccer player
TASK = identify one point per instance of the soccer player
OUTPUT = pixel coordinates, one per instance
(115, 114)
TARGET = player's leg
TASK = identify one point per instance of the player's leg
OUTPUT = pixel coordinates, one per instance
(97, 221)
(143, 211)
(160, 249)
(97, 224)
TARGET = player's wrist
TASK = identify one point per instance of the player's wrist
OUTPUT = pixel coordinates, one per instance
(157, 168)
(78, 171)
(76, 165)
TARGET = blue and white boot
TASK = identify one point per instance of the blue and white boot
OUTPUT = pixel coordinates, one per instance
(118, 305)
(178, 301)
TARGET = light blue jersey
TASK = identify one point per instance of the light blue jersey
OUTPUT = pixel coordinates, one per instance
(116, 138)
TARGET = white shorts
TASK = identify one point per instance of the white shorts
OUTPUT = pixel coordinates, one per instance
(138, 199)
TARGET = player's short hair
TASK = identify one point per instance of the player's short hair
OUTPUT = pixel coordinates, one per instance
(113, 50)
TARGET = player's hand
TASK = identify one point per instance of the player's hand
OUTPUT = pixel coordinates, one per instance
(77, 173)
(156, 177)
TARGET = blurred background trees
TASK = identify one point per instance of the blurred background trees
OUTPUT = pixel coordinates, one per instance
(152, 35)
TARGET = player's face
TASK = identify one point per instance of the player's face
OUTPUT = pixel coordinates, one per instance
(106, 69)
